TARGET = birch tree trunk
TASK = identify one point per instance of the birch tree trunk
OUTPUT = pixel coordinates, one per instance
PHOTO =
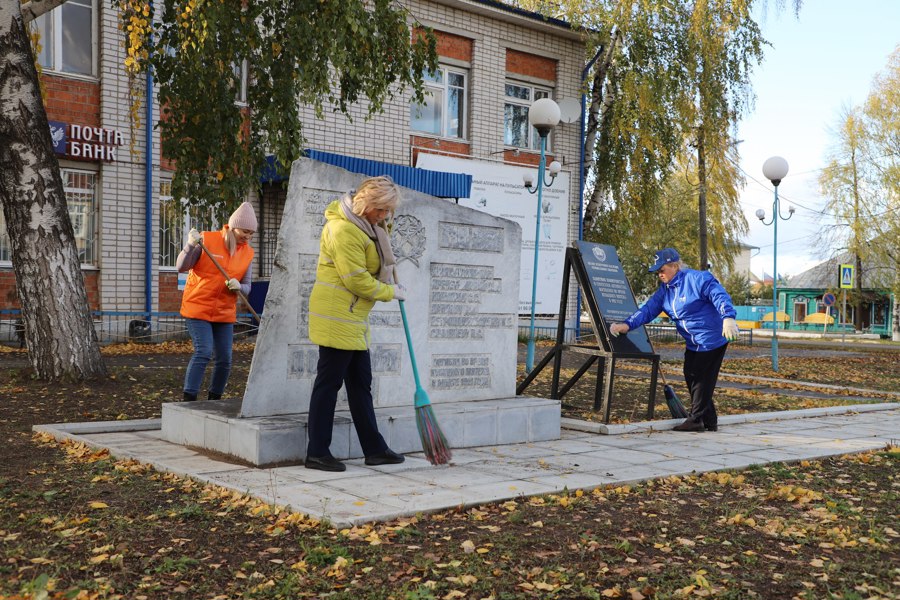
(701, 199)
(59, 332)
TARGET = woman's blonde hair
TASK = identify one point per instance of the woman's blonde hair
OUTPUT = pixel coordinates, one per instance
(376, 192)
(230, 241)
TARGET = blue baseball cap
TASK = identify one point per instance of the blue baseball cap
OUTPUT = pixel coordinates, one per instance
(663, 257)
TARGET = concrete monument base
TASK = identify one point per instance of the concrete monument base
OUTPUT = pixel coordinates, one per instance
(272, 440)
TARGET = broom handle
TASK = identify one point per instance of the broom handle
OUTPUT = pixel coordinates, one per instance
(222, 271)
(412, 354)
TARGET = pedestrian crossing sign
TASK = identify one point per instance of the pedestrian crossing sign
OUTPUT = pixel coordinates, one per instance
(845, 276)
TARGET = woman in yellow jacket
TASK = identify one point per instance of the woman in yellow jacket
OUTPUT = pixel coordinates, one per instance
(209, 302)
(354, 270)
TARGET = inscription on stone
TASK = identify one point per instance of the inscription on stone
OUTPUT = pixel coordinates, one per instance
(302, 360)
(454, 371)
(456, 296)
(305, 281)
(315, 201)
(386, 358)
(474, 238)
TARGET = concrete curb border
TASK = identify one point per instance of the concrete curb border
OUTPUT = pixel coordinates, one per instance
(667, 424)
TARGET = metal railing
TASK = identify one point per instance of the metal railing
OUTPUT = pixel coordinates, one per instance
(657, 332)
(116, 327)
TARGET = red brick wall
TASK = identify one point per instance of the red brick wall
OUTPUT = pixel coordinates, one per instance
(433, 146)
(92, 287)
(531, 65)
(72, 101)
(169, 294)
(450, 45)
(9, 300)
(453, 46)
(525, 158)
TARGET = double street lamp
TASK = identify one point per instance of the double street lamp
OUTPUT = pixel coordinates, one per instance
(543, 115)
(775, 169)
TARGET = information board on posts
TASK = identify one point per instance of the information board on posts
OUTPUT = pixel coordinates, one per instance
(612, 295)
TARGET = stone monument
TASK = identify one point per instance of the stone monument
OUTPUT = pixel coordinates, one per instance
(461, 269)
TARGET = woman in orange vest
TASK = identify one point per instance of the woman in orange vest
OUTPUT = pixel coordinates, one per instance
(209, 302)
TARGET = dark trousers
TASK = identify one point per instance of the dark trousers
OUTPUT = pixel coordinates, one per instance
(353, 369)
(701, 372)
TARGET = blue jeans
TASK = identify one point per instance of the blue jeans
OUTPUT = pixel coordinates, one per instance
(210, 339)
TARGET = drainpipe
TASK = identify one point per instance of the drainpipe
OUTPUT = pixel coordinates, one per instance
(148, 200)
(581, 178)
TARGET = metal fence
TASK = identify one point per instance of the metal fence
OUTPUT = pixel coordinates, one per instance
(116, 327)
(656, 332)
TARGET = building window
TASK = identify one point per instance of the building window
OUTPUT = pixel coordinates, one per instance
(5, 250)
(175, 220)
(516, 129)
(799, 311)
(444, 110)
(241, 72)
(81, 197)
(80, 190)
(68, 38)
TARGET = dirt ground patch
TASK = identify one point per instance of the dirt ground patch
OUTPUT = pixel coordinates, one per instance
(77, 523)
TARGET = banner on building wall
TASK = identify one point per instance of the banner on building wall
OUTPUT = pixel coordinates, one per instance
(497, 189)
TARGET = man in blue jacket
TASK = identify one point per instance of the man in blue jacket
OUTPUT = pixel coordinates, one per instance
(704, 316)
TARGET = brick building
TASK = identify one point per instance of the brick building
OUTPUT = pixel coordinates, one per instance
(494, 61)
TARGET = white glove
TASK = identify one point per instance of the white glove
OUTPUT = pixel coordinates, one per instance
(233, 284)
(399, 292)
(618, 328)
(730, 329)
(194, 237)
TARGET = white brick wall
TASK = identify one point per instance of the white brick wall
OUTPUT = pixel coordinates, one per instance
(384, 137)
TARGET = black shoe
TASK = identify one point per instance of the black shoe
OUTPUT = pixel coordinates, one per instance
(388, 457)
(189, 397)
(689, 425)
(324, 463)
(713, 427)
(213, 396)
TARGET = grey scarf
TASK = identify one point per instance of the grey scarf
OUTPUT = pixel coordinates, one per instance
(378, 235)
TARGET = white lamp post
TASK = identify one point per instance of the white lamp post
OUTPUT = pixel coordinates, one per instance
(543, 115)
(775, 169)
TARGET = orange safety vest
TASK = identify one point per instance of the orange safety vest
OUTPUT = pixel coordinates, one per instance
(205, 295)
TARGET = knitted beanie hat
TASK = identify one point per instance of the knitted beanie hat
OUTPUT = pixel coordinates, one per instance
(243, 218)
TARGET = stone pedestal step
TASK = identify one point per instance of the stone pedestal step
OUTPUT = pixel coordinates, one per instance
(275, 440)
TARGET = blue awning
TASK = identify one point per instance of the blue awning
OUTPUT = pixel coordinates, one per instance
(435, 183)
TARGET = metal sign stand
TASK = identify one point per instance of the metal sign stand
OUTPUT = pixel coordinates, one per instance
(602, 353)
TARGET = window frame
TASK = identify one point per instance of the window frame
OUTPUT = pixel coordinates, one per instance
(444, 87)
(55, 18)
(535, 92)
(83, 216)
(189, 217)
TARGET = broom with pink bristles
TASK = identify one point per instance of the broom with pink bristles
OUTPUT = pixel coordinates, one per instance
(434, 444)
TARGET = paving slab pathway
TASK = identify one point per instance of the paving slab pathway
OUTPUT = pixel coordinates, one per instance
(583, 458)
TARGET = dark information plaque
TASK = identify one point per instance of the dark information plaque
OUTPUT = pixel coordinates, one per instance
(610, 294)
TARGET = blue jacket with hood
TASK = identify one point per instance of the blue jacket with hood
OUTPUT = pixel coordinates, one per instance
(697, 304)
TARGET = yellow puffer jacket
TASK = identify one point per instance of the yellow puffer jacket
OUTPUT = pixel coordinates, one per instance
(346, 285)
